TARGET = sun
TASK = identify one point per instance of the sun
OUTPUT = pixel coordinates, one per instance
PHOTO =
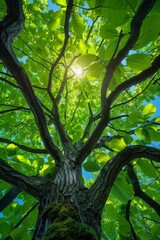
(78, 71)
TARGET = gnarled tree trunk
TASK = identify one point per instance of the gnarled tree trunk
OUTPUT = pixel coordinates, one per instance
(66, 210)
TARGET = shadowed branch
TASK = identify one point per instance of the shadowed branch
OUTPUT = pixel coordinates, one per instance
(10, 27)
(138, 192)
(31, 185)
(102, 186)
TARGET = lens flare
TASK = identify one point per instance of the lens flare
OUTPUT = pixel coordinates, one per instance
(78, 71)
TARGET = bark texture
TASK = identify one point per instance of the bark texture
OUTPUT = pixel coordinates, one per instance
(65, 192)
(68, 210)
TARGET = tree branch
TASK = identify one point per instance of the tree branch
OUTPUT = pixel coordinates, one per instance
(65, 139)
(31, 185)
(104, 182)
(26, 215)
(134, 97)
(14, 109)
(135, 80)
(89, 145)
(66, 31)
(9, 29)
(7, 81)
(127, 217)
(8, 197)
(136, 23)
(23, 147)
(135, 26)
(138, 192)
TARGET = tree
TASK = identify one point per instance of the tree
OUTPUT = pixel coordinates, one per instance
(77, 91)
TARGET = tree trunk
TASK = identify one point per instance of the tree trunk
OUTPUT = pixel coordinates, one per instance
(66, 210)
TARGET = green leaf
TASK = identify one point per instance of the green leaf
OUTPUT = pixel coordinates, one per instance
(5, 229)
(128, 139)
(54, 20)
(135, 117)
(107, 32)
(110, 211)
(147, 168)
(11, 146)
(149, 31)
(122, 190)
(82, 47)
(23, 160)
(149, 110)
(2, 9)
(155, 135)
(110, 227)
(138, 61)
(117, 144)
(60, 2)
(77, 23)
(86, 59)
(124, 226)
(95, 70)
(102, 157)
(143, 235)
(115, 11)
(91, 166)
(11, 150)
(17, 233)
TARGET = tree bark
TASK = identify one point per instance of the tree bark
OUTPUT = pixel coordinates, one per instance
(66, 210)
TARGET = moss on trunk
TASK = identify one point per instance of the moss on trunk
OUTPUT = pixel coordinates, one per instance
(65, 224)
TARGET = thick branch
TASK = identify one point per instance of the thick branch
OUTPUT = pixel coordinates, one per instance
(9, 197)
(135, 25)
(65, 139)
(31, 185)
(89, 145)
(104, 182)
(9, 29)
(139, 192)
(56, 119)
(91, 142)
(23, 147)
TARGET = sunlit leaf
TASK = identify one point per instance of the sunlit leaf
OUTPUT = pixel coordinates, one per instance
(102, 157)
(149, 31)
(77, 23)
(149, 110)
(23, 159)
(95, 70)
(115, 11)
(138, 61)
(60, 2)
(86, 59)
(117, 144)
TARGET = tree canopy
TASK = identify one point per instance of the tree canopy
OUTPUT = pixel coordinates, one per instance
(80, 84)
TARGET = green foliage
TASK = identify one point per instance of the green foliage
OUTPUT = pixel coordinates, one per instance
(95, 36)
